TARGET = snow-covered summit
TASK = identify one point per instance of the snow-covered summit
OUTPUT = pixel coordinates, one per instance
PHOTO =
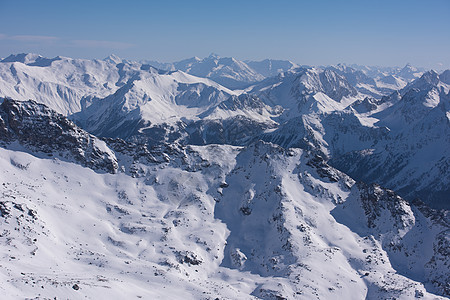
(409, 72)
(272, 67)
(306, 90)
(227, 71)
(412, 159)
(151, 99)
(61, 83)
(114, 59)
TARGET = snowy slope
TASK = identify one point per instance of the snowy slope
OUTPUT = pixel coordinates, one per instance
(152, 98)
(64, 84)
(341, 112)
(206, 222)
(306, 90)
(156, 105)
(414, 158)
(399, 141)
(176, 211)
(227, 71)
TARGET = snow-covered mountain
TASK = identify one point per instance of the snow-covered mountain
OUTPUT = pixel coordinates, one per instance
(64, 84)
(213, 221)
(306, 90)
(414, 158)
(40, 129)
(227, 71)
(331, 110)
(124, 180)
(407, 73)
(271, 67)
(399, 141)
(151, 99)
(375, 81)
(176, 106)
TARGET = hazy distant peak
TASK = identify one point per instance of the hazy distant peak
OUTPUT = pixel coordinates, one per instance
(431, 77)
(445, 77)
(31, 59)
(25, 58)
(114, 59)
(214, 56)
(271, 67)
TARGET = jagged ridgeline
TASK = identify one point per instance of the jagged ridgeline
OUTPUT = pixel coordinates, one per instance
(380, 125)
(123, 180)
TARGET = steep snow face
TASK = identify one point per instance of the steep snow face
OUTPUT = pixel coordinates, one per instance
(245, 105)
(178, 106)
(363, 83)
(329, 134)
(95, 236)
(398, 141)
(64, 84)
(208, 221)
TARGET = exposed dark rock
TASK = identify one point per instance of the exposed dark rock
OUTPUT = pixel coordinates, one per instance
(41, 129)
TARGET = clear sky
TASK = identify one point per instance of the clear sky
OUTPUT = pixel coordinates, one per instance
(315, 32)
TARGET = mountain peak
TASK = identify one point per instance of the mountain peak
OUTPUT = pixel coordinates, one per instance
(445, 77)
(213, 56)
(113, 59)
(409, 72)
(431, 77)
(25, 58)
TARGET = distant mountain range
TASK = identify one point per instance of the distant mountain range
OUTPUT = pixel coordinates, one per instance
(221, 178)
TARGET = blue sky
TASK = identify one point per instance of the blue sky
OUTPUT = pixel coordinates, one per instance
(312, 32)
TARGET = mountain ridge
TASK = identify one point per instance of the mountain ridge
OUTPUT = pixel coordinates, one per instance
(126, 180)
(197, 208)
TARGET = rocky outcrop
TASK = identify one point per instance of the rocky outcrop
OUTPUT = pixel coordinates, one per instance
(42, 130)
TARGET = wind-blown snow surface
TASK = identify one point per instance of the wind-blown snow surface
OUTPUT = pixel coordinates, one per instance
(209, 222)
